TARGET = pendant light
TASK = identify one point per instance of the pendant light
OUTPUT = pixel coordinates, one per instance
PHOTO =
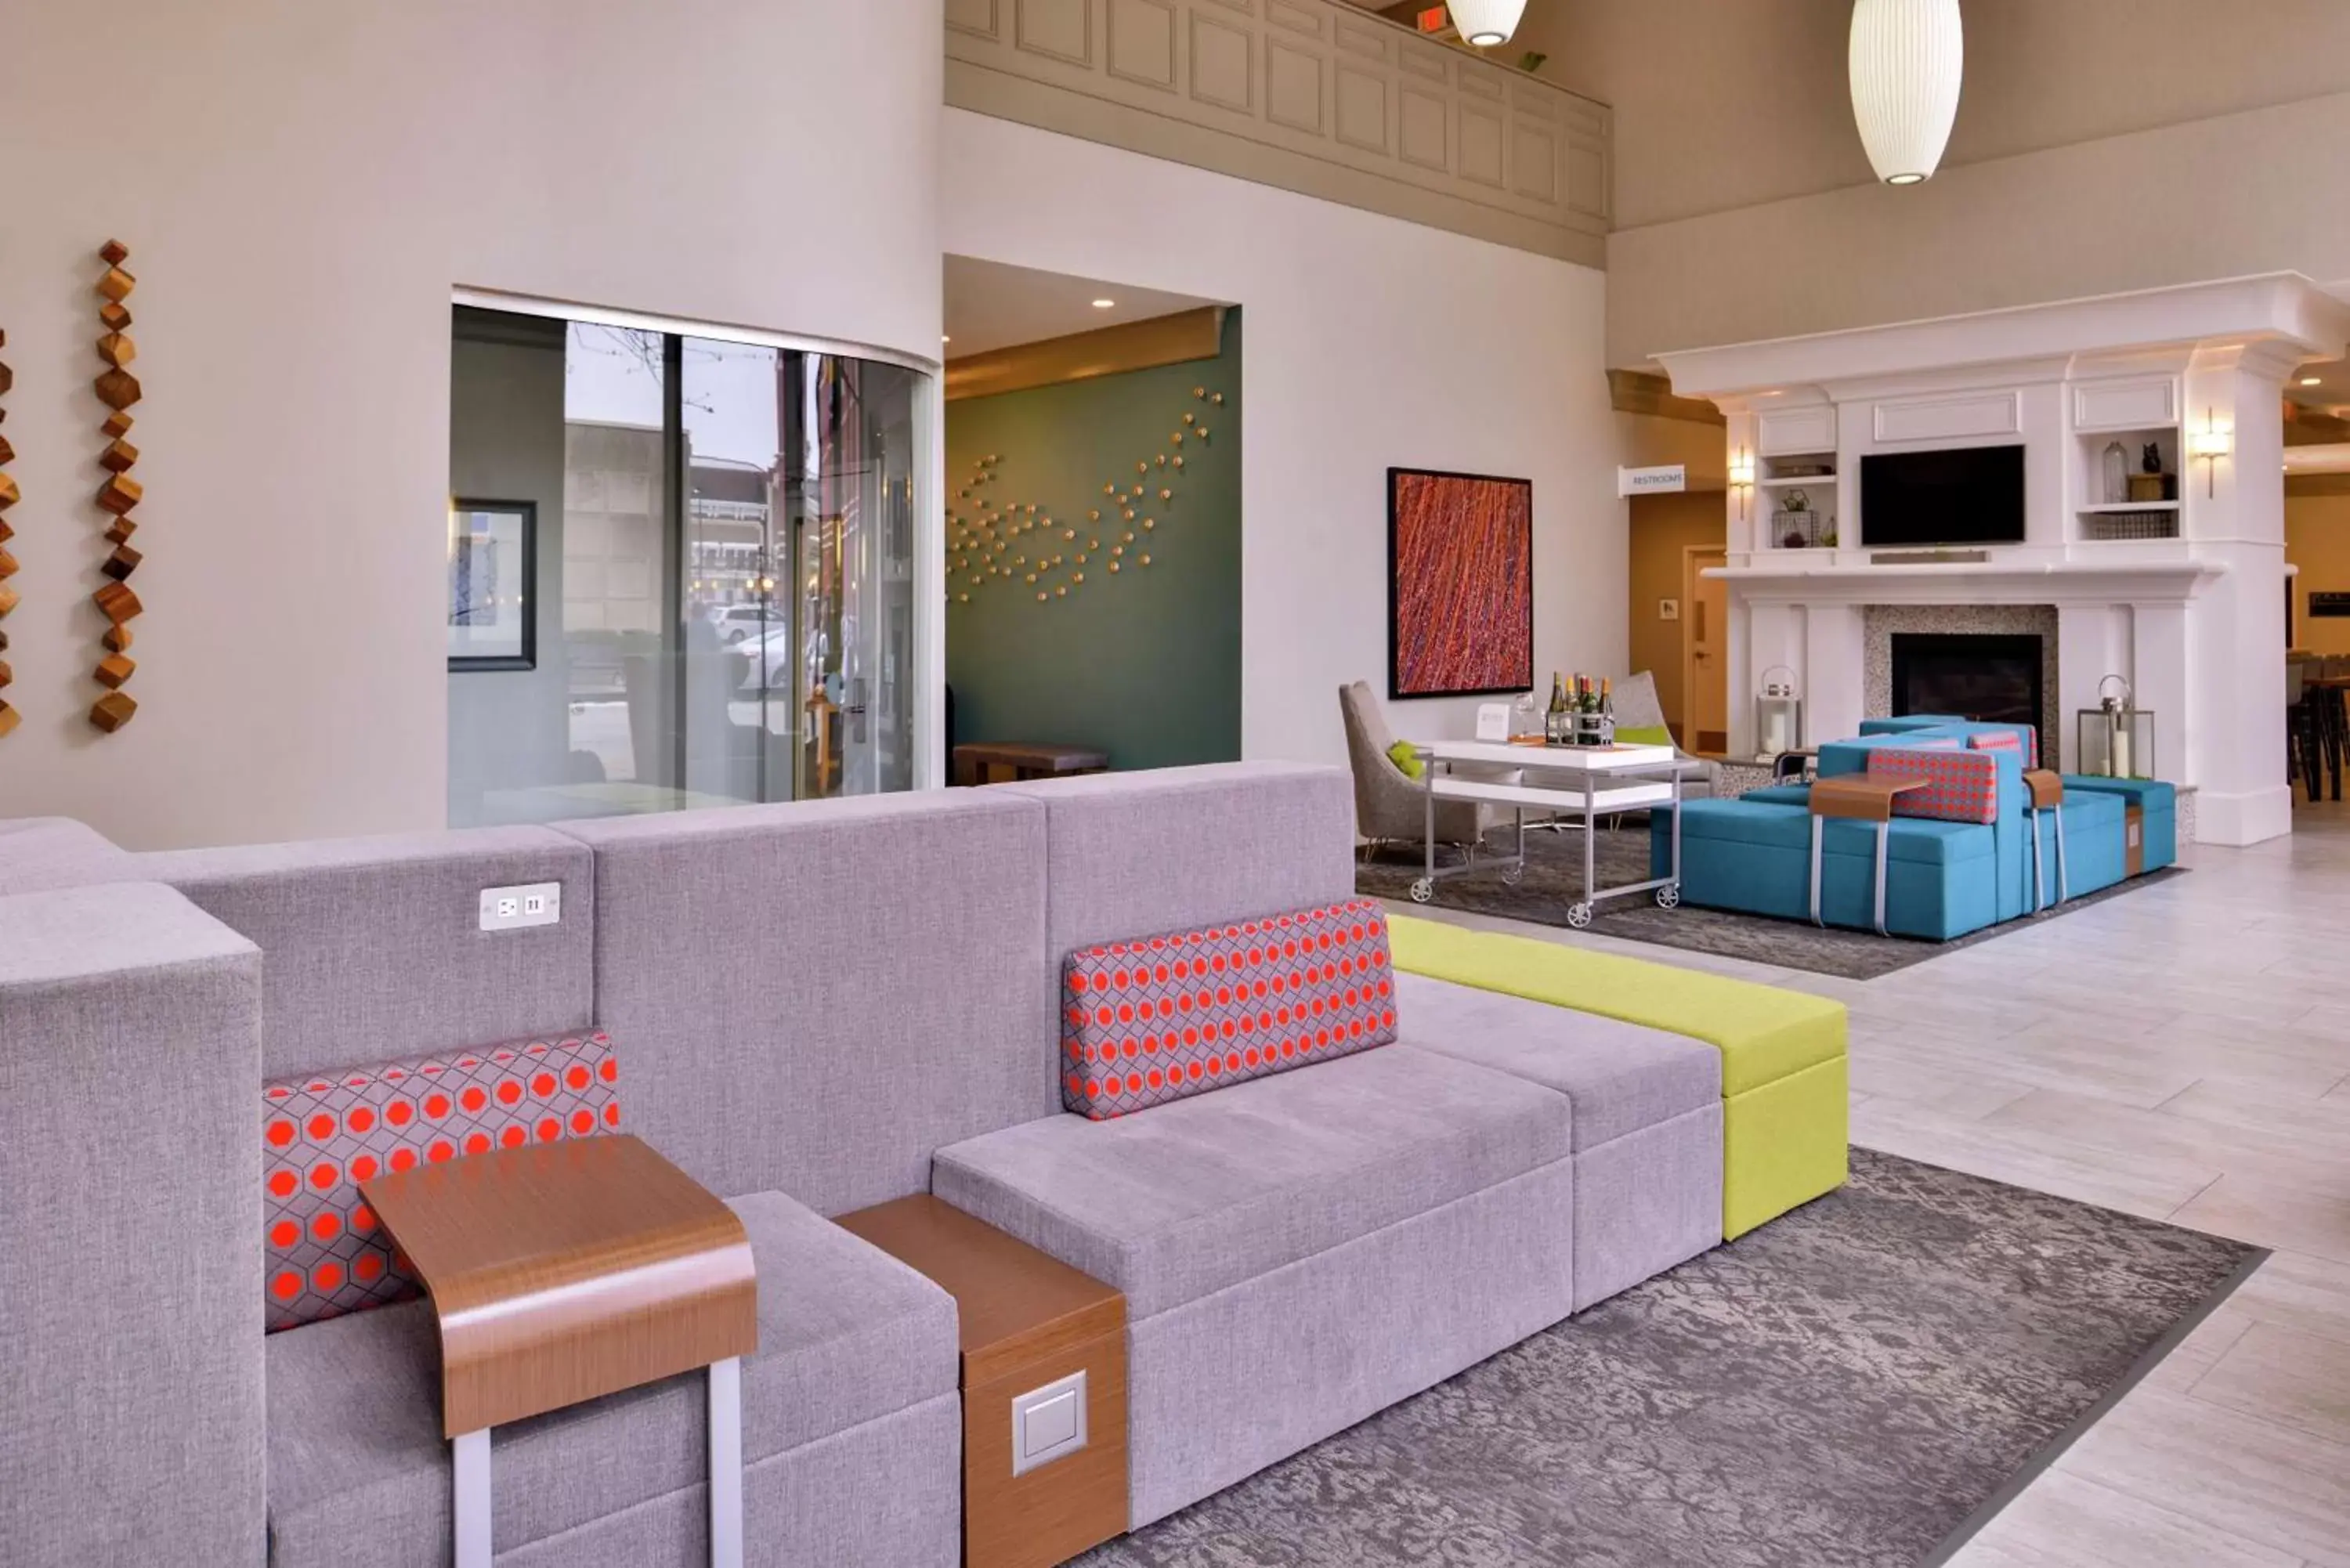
(1905, 58)
(1486, 23)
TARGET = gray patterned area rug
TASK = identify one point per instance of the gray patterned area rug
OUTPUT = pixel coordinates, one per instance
(1860, 1384)
(1553, 879)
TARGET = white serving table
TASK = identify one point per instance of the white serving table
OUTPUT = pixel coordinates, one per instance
(1582, 783)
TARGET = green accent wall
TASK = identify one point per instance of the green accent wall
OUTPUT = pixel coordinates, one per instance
(1143, 662)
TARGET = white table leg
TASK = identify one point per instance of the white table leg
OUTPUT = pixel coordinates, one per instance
(726, 1463)
(470, 1454)
(1818, 824)
(2062, 892)
(1884, 835)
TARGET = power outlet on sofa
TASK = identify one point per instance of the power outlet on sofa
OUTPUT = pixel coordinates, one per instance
(513, 908)
(1048, 1423)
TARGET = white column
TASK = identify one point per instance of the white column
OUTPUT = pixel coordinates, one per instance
(2233, 728)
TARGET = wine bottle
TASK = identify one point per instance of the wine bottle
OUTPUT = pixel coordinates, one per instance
(1554, 720)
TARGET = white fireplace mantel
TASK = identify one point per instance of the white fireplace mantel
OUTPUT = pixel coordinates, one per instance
(2195, 622)
(2060, 583)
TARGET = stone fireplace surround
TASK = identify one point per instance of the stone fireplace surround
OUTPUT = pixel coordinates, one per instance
(1880, 624)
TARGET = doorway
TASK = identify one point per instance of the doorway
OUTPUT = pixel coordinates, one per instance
(1704, 642)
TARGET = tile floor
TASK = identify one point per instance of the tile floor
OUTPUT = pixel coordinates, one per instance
(2181, 1052)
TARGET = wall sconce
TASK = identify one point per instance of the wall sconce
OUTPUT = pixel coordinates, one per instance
(2211, 443)
(1742, 478)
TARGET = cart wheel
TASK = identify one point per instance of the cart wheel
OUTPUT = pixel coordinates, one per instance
(1668, 897)
(1513, 875)
(1423, 890)
(1578, 916)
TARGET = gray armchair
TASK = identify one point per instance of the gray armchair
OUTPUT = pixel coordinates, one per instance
(1637, 708)
(1388, 806)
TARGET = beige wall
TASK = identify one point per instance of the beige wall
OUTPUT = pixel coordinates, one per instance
(1664, 529)
(2317, 540)
(302, 186)
(1340, 384)
(2100, 145)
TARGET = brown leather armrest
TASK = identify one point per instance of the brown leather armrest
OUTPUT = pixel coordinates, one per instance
(2047, 788)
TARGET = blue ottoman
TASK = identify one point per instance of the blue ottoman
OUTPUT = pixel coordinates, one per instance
(2151, 808)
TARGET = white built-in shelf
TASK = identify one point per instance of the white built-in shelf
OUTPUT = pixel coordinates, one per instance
(2129, 506)
(1795, 483)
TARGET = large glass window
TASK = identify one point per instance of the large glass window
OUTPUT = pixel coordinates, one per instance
(723, 588)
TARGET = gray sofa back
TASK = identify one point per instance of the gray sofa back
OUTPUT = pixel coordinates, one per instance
(814, 997)
(374, 949)
(1133, 855)
(130, 1357)
(38, 853)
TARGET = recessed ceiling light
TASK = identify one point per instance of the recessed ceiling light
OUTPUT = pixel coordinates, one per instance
(2311, 380)
(1103, 304)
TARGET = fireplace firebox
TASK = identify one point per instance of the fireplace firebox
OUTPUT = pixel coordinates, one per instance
(1994, 678)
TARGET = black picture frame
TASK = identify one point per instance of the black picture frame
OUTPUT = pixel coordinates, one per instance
(1523, 681)
(461, 618)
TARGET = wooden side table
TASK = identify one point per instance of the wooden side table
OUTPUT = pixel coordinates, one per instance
(986, 765)
(563, 1272)
(1857, 797)
(1044, 1384)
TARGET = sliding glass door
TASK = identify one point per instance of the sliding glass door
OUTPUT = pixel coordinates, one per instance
(725, 607)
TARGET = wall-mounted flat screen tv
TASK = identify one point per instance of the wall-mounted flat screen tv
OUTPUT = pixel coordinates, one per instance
(1968, 495)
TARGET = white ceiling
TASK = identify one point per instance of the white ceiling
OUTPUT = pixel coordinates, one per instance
(990, 306)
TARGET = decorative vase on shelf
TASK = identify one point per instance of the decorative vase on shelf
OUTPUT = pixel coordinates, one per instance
(2116, 488)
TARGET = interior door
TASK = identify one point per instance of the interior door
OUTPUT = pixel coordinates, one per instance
(1704, 633)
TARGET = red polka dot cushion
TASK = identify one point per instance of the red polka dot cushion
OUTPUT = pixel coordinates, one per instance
(1161, 1018)
(325, 1254)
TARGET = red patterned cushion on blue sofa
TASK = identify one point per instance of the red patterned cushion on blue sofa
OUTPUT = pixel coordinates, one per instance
(1960, 785)
(1163, 1017)
(321, 1136)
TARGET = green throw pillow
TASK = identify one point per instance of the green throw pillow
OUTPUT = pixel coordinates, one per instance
(1647, 735)
(1406, 757)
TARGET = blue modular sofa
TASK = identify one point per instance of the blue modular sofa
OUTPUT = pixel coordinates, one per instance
(1953, 864)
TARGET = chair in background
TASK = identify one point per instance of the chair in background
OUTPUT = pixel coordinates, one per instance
(1390, 807)
(1638, 708)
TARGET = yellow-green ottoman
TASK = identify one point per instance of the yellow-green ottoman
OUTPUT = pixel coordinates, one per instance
(1783, 1098)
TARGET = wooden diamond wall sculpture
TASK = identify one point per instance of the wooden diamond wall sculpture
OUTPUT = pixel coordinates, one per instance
(118, 492)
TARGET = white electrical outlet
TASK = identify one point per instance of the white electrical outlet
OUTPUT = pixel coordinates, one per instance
(513, 908)
(1048, 1423)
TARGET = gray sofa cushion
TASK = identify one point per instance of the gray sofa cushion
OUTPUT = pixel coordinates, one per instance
(37, 853)
(358, 1471)
(373, 948)
(1620, 1076)
(1175, 1203)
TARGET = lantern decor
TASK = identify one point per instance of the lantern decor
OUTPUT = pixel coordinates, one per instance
(1778, 715)
(2117, 738)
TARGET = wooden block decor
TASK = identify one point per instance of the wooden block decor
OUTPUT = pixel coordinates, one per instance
(117, 603)
(113, 710)
(117, 493)
(9, 598)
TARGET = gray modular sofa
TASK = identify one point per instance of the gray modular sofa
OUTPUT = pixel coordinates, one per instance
(816, 1008)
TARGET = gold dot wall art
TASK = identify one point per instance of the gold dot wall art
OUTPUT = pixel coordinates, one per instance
(985, 526)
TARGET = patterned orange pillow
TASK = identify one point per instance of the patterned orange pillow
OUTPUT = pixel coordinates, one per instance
(1161, 1018)
(322, 1136)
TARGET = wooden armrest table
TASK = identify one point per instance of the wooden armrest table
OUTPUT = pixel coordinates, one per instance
(1857, 797)
(1044, 1384)
(563, 1272)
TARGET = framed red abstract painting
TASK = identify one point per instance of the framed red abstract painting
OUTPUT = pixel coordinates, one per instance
(1461, 584)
